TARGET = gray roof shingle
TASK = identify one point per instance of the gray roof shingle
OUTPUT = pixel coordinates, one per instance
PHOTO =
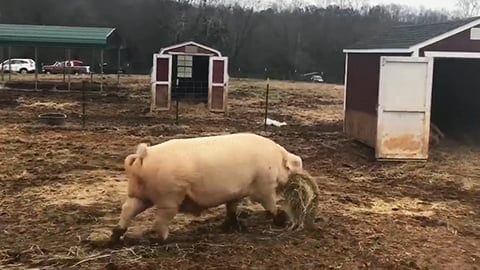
(403, 37)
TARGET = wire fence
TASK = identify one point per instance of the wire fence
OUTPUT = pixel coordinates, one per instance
(124, 104)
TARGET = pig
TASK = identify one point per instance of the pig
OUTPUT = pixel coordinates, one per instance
(436, 135)
(194, 174)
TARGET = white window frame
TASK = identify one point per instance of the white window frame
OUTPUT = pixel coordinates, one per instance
(184, 62)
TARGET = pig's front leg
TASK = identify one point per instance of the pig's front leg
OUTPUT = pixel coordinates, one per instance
(232, 222)
(131, 208)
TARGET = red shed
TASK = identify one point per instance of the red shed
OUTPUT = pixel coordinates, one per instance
(189, 71)
(398, 81)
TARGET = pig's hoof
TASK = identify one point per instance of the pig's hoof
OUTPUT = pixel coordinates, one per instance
(117, 233)
(311, 225)
(234, 226)
(153, 236)
(281, 219)
(150, 234)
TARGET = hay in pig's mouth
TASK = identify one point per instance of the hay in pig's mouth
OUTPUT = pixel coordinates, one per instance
(300, 200)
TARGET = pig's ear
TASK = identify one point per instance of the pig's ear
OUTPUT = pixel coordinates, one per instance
(292, 162)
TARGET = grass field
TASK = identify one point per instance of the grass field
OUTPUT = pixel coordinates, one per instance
(61, 189)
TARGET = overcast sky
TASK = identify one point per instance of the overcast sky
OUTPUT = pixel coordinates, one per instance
(433, 4)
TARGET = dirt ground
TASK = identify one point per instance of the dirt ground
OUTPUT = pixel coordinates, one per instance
(61, 188)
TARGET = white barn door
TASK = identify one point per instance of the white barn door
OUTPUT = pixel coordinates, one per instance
(405, 92)
(161, 79)
(218, 84)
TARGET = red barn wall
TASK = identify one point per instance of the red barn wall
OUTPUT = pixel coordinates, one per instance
(460, 42)
(361, 99)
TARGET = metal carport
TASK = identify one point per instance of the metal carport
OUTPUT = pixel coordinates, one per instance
(68, 37)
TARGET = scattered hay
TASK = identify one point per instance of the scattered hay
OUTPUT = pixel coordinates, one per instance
(404, 206)
(64, 106)
(301, 198)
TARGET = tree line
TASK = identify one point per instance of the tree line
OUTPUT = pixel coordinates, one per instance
(282, 41)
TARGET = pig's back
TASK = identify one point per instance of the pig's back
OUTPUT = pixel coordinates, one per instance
(211, 147)
(217, 166)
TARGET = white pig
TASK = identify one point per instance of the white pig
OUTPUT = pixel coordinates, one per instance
(190, 175)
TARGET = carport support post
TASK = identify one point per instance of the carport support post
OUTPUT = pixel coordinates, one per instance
(36, 69)
(101, 70)
(91, 69)
(9, 63)
(69, 72)
(64, 63)
(2, 51)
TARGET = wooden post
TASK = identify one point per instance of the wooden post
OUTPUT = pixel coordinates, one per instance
(101, 70)
(36, 68)
(118, 65)
(266, 102)
(9, 63)
(69, 71)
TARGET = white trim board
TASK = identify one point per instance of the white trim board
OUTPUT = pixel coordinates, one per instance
(111, 31)
(441, 54)
(192, 43)
(193, 54)
(345, 95)
(399, 50)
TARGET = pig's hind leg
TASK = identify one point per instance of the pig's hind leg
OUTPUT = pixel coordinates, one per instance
(163, 218)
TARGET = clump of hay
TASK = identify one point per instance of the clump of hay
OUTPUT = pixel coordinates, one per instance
(300, 200)
(51, 105)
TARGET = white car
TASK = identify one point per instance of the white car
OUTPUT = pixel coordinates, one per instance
(21, 65)
(317, 79)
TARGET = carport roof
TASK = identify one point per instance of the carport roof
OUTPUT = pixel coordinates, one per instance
(53, 36)
(406, 38)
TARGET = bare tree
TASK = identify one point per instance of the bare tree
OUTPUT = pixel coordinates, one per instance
(355, 4)
(359, 4)
(468, 8)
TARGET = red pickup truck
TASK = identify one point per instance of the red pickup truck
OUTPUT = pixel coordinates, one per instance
(71, 66)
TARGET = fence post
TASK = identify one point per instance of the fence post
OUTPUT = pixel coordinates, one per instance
(83, 105)
(92, 65)
(176, 111)
(69, 53)
(266, 103)
(9, 63)
(3, 59)
(101, 70)
(118, 65)
(36, 68)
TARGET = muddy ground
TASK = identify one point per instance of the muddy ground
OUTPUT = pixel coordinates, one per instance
(61, 189)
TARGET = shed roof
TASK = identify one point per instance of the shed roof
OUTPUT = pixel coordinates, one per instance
(53, 36)
(405, 38)
(182, 47)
